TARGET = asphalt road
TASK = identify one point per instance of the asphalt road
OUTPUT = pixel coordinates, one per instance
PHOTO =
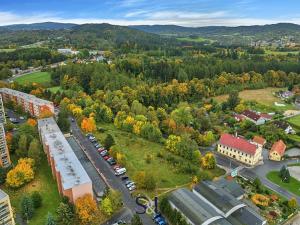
(108, 173)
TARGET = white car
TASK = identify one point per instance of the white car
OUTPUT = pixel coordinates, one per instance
(132, 188)
(129, 184)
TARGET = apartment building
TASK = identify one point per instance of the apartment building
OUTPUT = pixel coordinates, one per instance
(71, 177)
(29, 103)
(248, 152)
(4, 152)
(6, 213)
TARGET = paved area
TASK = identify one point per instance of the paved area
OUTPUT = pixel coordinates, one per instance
(295, 172)
(293, 152)
(294, 221)
(99, 185)
(108, 173)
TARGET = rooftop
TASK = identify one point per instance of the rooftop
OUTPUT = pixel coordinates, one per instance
(251, 114)
(238, 143)
(193, 207)
(281, 124)
(246, 216)
(2, 194)
(71, 171)
(278, 147)
(25, 96)
(231, 186)
(259, 140)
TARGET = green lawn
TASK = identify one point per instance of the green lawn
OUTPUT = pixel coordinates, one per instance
(293, 186)
(198, 39)
(55, 89)
(136, 149)
(38, 77)
(46, 185)
(295, 120)
(7, 50)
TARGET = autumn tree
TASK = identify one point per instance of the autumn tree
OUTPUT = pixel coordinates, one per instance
(106, 206)
(292, 203)
(86, 209)
(208, 161)
(45, 113)
(31, 122)
(63, 122)
(88, 124)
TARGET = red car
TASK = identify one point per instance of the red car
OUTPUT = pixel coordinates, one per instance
(115, 167)
(106, 157)
(100, 149)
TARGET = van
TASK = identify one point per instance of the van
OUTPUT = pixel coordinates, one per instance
(120, 171)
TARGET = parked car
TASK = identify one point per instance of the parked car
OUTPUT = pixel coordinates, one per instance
(132, 188)
(129, 183)
(120, 171)
(116, 167)
(124, 178)
(121, 222)
(88, 135)
(104, 153)
(97, 146)
(106, 157)
(156, 215)
(22, 118)
(160, 221)
(101, 149)
(111, 161)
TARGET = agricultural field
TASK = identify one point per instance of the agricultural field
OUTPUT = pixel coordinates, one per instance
(292, 186)
(45, 185)
(274, 52)
(136, 149)
(295, 121)
(38, 77)
(198, 39)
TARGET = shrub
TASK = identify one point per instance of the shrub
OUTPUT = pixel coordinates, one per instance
(36, 199)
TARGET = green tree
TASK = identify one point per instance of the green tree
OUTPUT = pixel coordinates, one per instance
(27, 208)
(22, 146)
(36, 199)
(63, 122)
(136, 220)
(34, 151)
(107, 206)
(150, 182)
(292, 203)
(65, 214)
(233, 99)
(108, 141)
(50, 219)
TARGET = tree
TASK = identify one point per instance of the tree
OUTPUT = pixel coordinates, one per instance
(45, 113)
(50, 219)
(34, 151)
(27, 208)
(63, 122)
(292, 203)
(136, 220)
(150, 182)
(31, 122)
(108, 141)
(86, 209)
(88, 124)
(22, 146)
(65, 214)
(233, 99)
(36, 199)
(208, 161)
(107, 206)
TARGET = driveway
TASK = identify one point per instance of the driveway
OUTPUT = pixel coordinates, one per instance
(108, 173)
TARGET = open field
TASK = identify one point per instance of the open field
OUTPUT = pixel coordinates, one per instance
(292, 186)
(136, 149)
(295, 121)
(46, 185)
(55, 89)
(198, 39)
(7, 50)
(273, 52)
(38, 77)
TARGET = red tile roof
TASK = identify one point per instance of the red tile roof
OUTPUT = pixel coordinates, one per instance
(238, 143)
(259, 140)
(279, 147)
(266, 116)
(252, 115)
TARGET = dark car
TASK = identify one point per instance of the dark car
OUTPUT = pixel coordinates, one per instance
(124, 178)
(111, 161)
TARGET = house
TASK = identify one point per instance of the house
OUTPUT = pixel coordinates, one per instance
(277, 151)
(285, 94)
(239, 117)
(238, 148)
(259, 140)
(253, 117)
(288, 129)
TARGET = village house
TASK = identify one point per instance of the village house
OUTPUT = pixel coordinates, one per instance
(277, 151)
(288, 129)
(259, 140)
(238, 148)
(255, 117)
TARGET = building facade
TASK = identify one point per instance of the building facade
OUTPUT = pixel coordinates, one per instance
(72, 179)
(29, 103)
(6, 213)
(4, 152)
(277, 151)
(240, 149)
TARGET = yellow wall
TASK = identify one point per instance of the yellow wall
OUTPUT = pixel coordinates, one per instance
(274, 156)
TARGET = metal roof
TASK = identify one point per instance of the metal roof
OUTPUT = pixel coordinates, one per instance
(231, 186)
(246, 216)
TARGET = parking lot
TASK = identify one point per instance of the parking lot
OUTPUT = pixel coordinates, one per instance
(99, 185)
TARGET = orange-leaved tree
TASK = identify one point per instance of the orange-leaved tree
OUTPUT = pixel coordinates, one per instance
(31, 122)
(88, 124)
(86, 209)
(45, 113)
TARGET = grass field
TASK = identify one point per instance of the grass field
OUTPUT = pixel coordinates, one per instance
(38, 77)
(7, 50)
(295, 120)
(272, 52)
(136, 149)
(198, 39)
(292, 186)
(46, 185)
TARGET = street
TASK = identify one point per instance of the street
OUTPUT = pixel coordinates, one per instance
(108, 173)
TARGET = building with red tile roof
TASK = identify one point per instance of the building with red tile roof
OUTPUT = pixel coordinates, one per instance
(240, 149)
(253, 117)
(259, 140)
(277, 151)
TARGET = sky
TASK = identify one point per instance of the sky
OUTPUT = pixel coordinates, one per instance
(191, 13)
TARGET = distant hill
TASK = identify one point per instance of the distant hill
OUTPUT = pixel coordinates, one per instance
(283, 28)
(39, 26)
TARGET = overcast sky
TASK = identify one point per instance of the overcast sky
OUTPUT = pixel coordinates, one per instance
(135, 12)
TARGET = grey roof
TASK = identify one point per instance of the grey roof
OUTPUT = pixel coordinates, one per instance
(196, 210)
(71, 171)
(3, 194)
(246, 216)
(231, 186)
(218, 197)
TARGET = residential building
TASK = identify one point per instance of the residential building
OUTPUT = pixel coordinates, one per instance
(6, 213)
(287, 128)
(71, 177)
(253, 117)
(210, 203)
(238, 148)
(277, 151)
(30, 103)
(259, 140)
(4, 152)
(67, 51)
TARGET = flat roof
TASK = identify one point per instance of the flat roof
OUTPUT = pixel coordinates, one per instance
(218, 197)
(231, 186)
(246, 216)
(196, 210)
(71, 171)
(2, 194)
(27, 97)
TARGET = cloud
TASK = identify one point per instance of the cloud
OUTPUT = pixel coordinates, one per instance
(142, 17)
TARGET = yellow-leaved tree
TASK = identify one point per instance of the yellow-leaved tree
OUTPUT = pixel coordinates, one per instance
(86, 209)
